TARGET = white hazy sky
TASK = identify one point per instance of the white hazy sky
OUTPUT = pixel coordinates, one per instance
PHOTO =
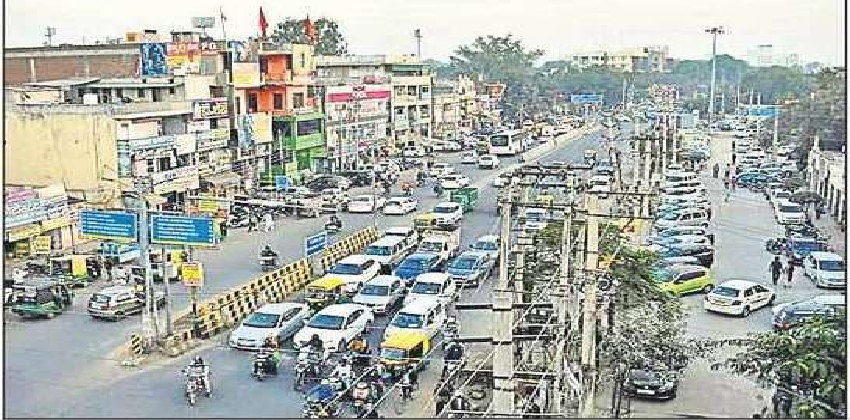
(814, 29)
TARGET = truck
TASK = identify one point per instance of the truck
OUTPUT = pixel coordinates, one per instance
(445, 243)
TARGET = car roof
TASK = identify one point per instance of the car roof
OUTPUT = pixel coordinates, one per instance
(114, 290)
(487, 238)
(738, 284)
(387, 240)
(474, 253)
(341, 309)
(399, 229)
(383, 280)
(421, 256)
(830, 300)
(279, 308)
(420, 306)
(685, 268)
(355, 259)
(432, 277)
(826, 256)
(447, 203)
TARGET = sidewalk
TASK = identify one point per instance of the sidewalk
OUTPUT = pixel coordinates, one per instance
(837, 238)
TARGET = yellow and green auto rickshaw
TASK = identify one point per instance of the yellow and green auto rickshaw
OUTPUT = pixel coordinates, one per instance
(324, 291)
(41, 298)
(72, 269)
(403, 350)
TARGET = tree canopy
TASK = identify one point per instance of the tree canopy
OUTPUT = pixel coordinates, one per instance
(502, 58)
(329, 38)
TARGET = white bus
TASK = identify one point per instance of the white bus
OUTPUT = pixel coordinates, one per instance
(508, 142)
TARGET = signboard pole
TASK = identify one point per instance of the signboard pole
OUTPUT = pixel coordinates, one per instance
(144, 244)
(169, 327)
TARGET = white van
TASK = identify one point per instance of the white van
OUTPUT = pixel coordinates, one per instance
(693, 216)
(432, 286)
(410, 235)
(427, 316)
(389, 251)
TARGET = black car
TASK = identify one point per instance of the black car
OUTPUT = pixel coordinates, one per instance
(361, 178)
(793, 314)
(328, 181)
(652, 383)
(704, 253)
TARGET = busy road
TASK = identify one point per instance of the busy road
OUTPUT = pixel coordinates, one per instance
(70, 365)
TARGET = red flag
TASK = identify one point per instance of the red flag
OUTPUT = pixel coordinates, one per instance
(309, 30)
(263, 23)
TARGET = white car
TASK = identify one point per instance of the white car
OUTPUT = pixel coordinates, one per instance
(279, 320)
(488, 162)
(354, 270)
(738, 297)
(789, 213)
(501, 180)
(825, 269)
(365, 203)
(439, 169)
(469, 158)
(381, 294)
(488, 244)
(399, 206)
(453, 182)
(336, 325)
(448, 213)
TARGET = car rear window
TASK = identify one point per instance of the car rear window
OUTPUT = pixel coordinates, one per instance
(726, 291)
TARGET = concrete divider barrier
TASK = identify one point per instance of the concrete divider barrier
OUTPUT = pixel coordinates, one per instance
(137, 345)
(350, 245)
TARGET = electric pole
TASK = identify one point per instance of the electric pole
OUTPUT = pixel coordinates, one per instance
(714, 32)
(503, 355)
(588, 339)
(417, 33)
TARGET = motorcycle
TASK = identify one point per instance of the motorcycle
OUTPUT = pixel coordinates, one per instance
(195, 384)
(361, 394)
(775, 245)
(237, 220)
(264, 365)
(333, 228)
(268, 262)
(306, 368)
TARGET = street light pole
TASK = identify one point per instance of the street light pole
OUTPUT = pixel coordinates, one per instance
(718, 30)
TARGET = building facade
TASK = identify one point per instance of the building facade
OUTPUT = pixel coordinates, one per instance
(826, 176)
(357, 119)
(765, 55)
(649, 59)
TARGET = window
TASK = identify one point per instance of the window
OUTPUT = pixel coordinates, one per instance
(119, 93)
(748, 292)
(151, 165)
(264, 65)
(302, 60)
(252, 103)
(164, 164)
(238, 105)
(213, 123)
(171, 90)
(298, 100)
(140, 92)
(278, 101)
(305, 128)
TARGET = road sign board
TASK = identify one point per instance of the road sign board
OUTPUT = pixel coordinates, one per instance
(315, 244)
(585, 99)
(281, 182)
(181, 230)
(115, 225)
(192, 273)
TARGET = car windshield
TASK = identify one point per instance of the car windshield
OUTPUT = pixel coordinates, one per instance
(463, 264)
(665, 275)
(261, 320)
(405, 320)
(832, 265)
(485, 246)
(374, 290)
(804, 246)
(414, 263)
(362, 199)
(390, 353)
(326, 322)
(444, 209)
(351, 269)
(394, 203)
(790, 208)
(726, 291)
(426, 288)
(378, 250)
(99, 298)
(499, 140)
(671, 216)
(431, 246)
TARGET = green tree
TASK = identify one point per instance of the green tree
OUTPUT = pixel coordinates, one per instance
(499, 58)
(329, 38)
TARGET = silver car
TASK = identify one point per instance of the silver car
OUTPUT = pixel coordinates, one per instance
(381, 294)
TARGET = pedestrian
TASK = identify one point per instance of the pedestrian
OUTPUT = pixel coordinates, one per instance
(734, 158)
(222, 226)
(789, 275)
(253, 222)
(406, 386)
(107, 266)
(716, 170)
(733, 145)
(733, 182)
(269, 222)
(775, 269)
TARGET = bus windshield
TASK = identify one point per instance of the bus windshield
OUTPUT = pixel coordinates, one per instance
(499, 140)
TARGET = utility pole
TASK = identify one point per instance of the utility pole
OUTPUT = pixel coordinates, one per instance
(149, 322)
(776, 128)
(588, 339)
(417, 33)
(714, 32)
(565, 310)
(49, 35)
(503, 355)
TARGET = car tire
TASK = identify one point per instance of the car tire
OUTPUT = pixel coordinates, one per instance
(745, 312)
(771, 301)
(707, 288)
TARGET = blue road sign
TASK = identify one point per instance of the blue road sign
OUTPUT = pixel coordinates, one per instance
(114, 225)
(281, 182)
(585, 99)
(315, 244)
(181, 230)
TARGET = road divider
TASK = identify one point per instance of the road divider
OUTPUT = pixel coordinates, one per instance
(348, 246)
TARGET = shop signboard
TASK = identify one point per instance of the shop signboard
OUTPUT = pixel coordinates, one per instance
(181, 230)
(209, 108)
(165, 176)
(41, 245)
(246, 74)
(151, 143)
(22, 232)
(196, 126)
(19, 213)
(51, 224)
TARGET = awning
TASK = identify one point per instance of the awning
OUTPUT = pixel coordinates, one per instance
(225, 178)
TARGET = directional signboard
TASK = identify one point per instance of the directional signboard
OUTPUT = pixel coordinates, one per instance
(181, 230)
(315, 244)
(585, 99)
(115, 225)
(281, 182)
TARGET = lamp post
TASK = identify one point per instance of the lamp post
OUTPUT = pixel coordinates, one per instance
(718, 30)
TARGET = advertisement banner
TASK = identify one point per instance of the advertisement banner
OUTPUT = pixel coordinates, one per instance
(208, 206)
(195, 126)
(192, 273)
(24, 212)
(185, 143)
(41, 245)
(154, 57)
(246, 74)
(48, 225)
(209, 108)
(262, 128)
(22, 232)
(245, 131)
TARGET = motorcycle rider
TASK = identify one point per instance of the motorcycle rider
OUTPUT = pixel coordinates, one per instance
(267, 252)
(343, 372)
(438, 189)
(359, 348)
(453, 357)
(270, 348)
(334, 221)
(198, 366)
(370, 412)
(420, 178)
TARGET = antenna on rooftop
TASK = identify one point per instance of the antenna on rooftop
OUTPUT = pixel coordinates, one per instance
(49, 36)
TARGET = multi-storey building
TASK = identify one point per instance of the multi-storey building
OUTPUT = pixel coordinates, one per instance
(357, 120)
(629, 60)
(764, 55)
(279, 119)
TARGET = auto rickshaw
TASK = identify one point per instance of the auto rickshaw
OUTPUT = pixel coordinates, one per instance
(41, 298)
(324, 291)
(403, 350)
(423, 222)
(72, 269)
(590, 156)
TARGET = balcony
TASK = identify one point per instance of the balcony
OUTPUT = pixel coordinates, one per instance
(282, 78)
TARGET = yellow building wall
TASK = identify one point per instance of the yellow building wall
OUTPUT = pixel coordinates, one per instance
(73, 149)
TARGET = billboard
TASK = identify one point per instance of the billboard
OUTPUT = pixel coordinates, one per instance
(209, 108)
(154, 56)
(181, 230)
(253, 128)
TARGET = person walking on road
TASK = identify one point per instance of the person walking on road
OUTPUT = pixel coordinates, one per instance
(269, 222)
(775, 269)
(222, 226)
(716, 170)
(107, 266)
(789, 275)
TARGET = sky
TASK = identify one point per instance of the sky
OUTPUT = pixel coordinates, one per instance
(813, 29)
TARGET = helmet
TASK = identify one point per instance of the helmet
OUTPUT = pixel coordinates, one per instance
(315, 337)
